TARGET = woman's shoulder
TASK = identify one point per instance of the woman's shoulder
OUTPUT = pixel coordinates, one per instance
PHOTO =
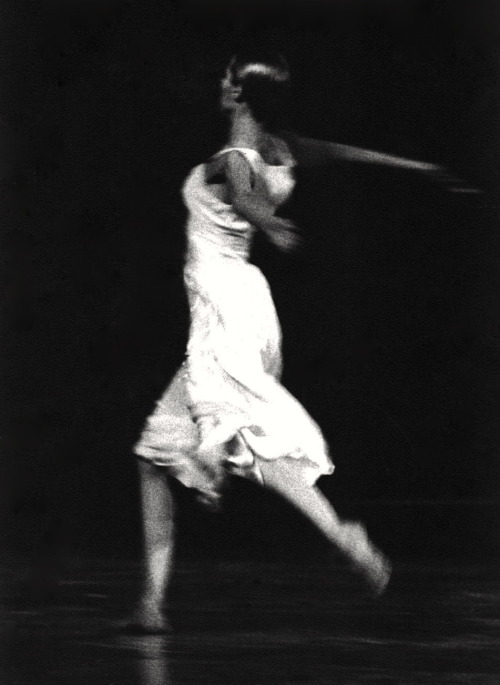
(231, 161)
(276, 150)
(231, 155)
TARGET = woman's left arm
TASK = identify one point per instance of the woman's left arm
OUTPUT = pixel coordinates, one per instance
(310, 151)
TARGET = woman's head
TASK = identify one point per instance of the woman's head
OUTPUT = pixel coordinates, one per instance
(261, 79)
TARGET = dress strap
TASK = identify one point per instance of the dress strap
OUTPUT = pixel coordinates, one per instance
(254, 157)
(251, 155)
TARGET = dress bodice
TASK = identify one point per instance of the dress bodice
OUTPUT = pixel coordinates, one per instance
(214, 229)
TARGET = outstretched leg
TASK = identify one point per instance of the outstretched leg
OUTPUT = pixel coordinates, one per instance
(350, 538)
(158, 534)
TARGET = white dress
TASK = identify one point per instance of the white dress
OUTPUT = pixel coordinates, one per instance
(226, 399)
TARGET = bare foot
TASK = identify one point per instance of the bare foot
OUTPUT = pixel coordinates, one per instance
(366, 559)
(378, 574)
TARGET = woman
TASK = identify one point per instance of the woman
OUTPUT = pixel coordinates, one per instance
(225, 410)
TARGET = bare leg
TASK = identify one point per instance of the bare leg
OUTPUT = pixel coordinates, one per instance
(350, 538)
(158, 532)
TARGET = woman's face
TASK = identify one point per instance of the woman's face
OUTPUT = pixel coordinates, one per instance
(227, 101)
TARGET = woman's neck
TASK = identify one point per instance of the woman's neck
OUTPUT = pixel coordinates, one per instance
(245, 130)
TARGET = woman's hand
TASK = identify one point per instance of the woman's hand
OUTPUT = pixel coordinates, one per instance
(453, 184)
(284, 234)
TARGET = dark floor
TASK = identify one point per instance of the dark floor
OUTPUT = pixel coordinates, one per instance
(257, 624)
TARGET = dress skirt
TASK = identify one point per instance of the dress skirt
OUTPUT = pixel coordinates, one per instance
(225, 409)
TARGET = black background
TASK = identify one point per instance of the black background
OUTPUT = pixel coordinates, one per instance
(390, 315)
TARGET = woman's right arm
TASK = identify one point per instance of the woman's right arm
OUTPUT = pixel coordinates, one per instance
(250, 199)
(312, 152)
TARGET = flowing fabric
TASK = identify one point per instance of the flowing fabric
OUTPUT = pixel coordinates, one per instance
(225, 407)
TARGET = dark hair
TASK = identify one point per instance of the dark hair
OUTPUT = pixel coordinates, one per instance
(264, 77)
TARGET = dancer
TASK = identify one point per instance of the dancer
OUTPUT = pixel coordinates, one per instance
(225, 410)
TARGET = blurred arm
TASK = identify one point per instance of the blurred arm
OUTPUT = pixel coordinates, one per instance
(310, 151)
